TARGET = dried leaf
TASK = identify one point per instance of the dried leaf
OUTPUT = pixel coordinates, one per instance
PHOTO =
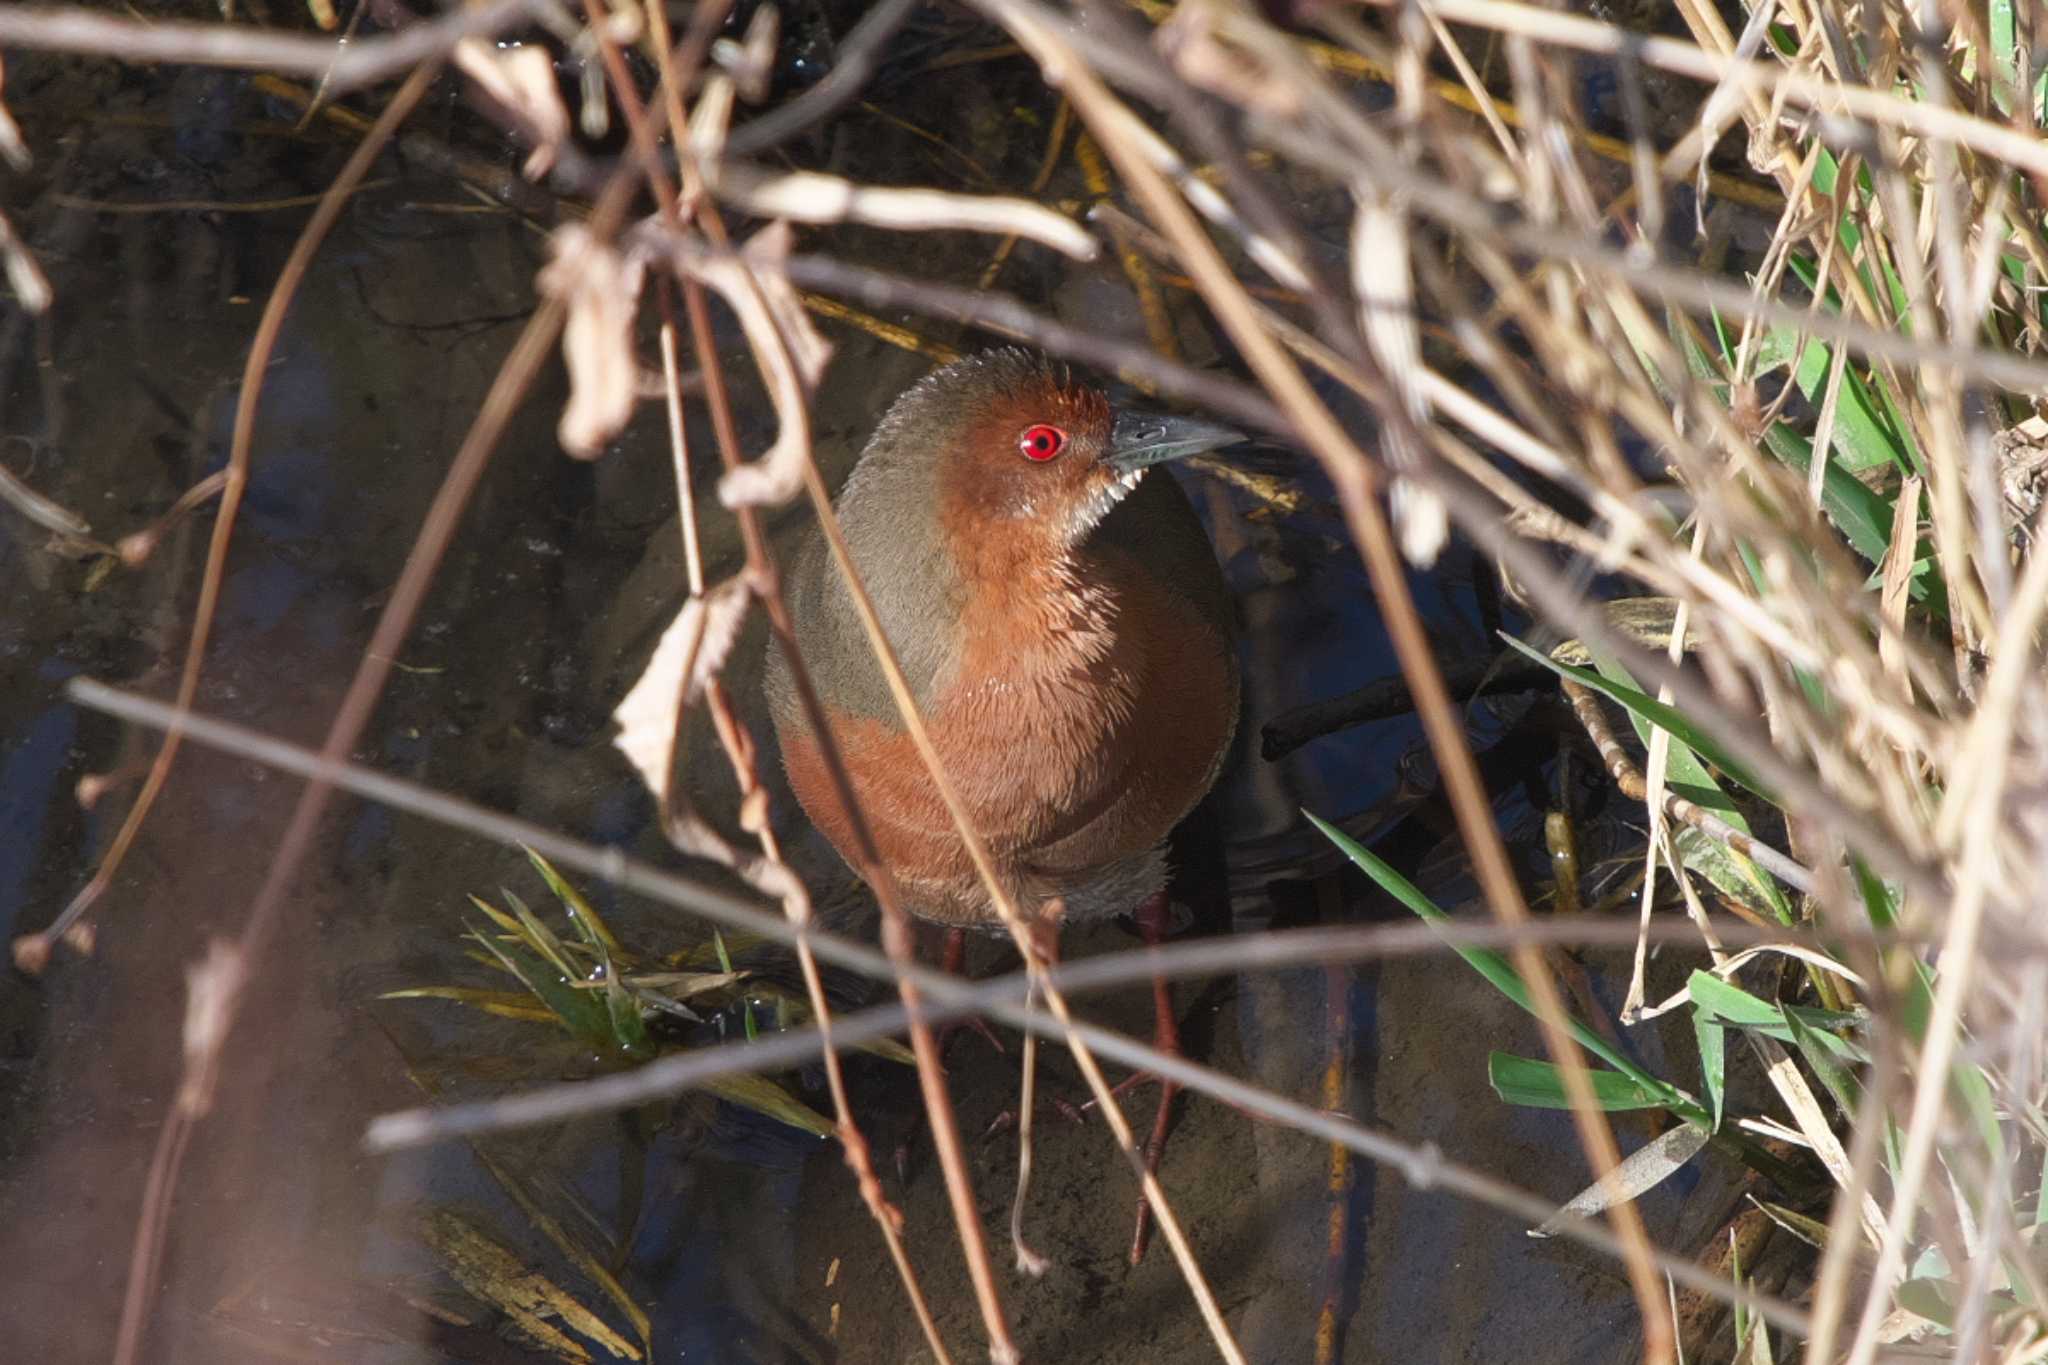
(710, 120)
(683, 985)
(813, 197)
(601, 289)
(751, 61)
(1898, 578)
(790, 351)
(692, 650)
(24, 276)
(12, 147)
(495, 1274)
(503, 1004)
(1646, 1168)
(211, 986)
(523, 80)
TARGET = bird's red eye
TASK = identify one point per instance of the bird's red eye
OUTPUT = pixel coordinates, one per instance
(1041, 442)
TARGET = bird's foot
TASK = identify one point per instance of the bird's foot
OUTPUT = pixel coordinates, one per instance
(1153, 918)
(974, 1023)
(1154, 1146)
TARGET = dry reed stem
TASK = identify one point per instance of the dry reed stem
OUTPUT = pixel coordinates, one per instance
(364, 688)
(1988, 753)
(2014, 147)
(343, 67)
(1902, 717)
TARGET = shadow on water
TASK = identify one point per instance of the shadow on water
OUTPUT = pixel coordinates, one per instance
(744, 1240)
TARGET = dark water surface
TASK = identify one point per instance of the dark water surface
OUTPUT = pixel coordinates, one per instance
(743, 1239)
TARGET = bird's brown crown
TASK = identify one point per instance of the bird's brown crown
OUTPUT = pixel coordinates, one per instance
(1008, 452)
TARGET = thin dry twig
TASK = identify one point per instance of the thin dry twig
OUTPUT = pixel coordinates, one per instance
(344, 67)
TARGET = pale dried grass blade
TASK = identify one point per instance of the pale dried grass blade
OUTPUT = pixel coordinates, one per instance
(12, 148)
(211, 987)
(813, 197)
(24, 276)
(1385, 285)
(1898, 576)
(1812, 1121)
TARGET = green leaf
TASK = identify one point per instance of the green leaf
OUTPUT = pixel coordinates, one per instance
(1496, 969)
(1733, 875)
(498, 917)
(1729, 1002)
(1825, 1064)
(725, 962)
(1861, 437)
(504, 1004)
(622, 1008)
(541, 938)
(764, 1096)
(1931, 1299)
(1713, 1041)
(581, 913)
(1826, 173)
(888, 1049)
(1538, 1084)
(1881, 904)
(1805, 1227)
(1650, 709)
(1858, 511)
(2041, 1199)
(578, 1011)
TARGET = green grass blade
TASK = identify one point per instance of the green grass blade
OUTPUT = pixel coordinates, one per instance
(1496, 968)
(1733, 872)
(764, 1096)
(1650, 709)
(1836, 1077)
(580, 911)
(1539, 1085)
(1730, 1003)
(1713, 1042)
(579, 1012)
(538, 936)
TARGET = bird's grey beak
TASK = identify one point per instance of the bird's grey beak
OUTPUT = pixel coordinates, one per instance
(1138, 440)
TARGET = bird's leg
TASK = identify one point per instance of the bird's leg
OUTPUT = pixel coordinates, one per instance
(952, 961)
(1153, 917)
